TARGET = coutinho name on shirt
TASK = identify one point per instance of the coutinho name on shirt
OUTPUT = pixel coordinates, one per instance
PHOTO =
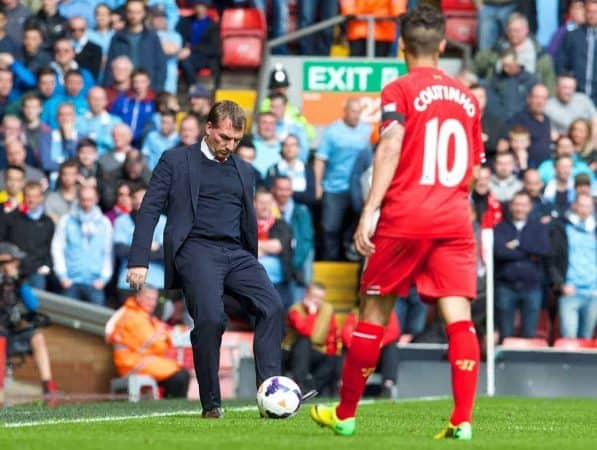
(429, 194)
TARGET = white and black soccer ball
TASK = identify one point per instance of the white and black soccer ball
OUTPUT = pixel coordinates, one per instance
(278, 398)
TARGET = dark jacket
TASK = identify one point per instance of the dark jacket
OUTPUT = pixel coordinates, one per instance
(281, 230)
(174, 191)
(306, 197)
(53, 27)
(520, 267)
(507, 95)
(540, 148)
(34, 237)
(557, 263)
(152, 57)
(209, 44)
(90, 58)
(572, 57)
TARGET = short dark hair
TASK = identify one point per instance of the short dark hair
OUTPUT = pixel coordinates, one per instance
(86, 142)
(280, 177)
(140, 70)
(45, 71)
(69, 163)
(72, 72)
(13, 167)
(278, 95)
(227, 109)
(30, 96)
(246, 141)
(582, 179)
(422, 29)
(477, 86)
(169, 113)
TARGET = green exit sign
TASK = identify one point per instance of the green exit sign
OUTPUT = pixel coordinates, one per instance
(350, 76)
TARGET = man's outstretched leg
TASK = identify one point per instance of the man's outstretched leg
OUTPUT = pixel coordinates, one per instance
(360, 362)
(463, 355)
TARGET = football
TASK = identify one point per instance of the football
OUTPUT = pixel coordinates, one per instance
(278, 398)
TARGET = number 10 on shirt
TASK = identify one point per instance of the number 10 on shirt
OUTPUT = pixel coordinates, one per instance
(435, 158)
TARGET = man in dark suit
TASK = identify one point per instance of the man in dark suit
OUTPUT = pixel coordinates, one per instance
(210, 246)
(88, 54)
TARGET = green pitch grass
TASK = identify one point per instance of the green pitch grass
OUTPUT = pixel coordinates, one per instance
(500, 423)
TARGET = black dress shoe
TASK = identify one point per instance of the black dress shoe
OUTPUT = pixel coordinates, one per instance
(214, 413)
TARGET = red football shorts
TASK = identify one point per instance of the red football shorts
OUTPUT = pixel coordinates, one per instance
(438, 267)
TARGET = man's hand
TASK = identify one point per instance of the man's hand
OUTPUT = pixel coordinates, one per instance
(568, 290)
(318, 191)
(98, 284)
(66, 283)
(512, 244)
(136, 276)
(362, 237)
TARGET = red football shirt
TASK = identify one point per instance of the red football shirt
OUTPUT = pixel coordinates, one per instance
(428, 196)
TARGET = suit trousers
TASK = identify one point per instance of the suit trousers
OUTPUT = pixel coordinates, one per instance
(207, 270)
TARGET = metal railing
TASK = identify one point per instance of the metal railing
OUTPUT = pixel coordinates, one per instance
(332, 22)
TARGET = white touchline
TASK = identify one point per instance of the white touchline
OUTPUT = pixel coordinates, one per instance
(184, 412)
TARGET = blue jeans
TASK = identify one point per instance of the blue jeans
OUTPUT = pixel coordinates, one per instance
(37, 281)
(578, 315)
(311, 11)
(298, 290)
(412, 313)
(336, 223)
(491, 24)
(86, 293)
(507, 299)
(279, 22)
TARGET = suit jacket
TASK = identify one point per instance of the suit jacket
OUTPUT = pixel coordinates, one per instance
(174, 191)
(90, 58)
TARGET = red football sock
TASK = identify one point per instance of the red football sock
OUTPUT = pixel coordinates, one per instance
(360, 362)
(463, 354)
(49, 386)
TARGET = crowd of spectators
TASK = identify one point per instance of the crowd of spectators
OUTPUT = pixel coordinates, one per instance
(89, 100)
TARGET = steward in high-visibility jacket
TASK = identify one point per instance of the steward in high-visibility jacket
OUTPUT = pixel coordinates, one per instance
(140, 342)
(385, 30)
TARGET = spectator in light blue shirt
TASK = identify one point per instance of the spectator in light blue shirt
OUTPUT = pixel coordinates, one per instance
(102, 34)
(158, 141)
(267, 144)
(73, 93)
(97, 123)
(285, 127)
(340, 145)
(124, 227)
(78, 8)
(171, 44)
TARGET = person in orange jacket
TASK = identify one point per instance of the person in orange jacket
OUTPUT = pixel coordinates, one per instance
(385, 30)
(312, 340)
(140, 342)
(388, 360)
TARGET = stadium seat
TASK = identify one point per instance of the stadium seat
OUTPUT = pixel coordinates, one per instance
(524, 343)
(235, 345)
(574, 344)
(341, 280)
(458, 5)
(243, 32)
(461, 20)
(133, 385)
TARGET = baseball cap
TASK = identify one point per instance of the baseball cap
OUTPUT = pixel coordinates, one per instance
(198, 90)
(278, 77)
(7, 248)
